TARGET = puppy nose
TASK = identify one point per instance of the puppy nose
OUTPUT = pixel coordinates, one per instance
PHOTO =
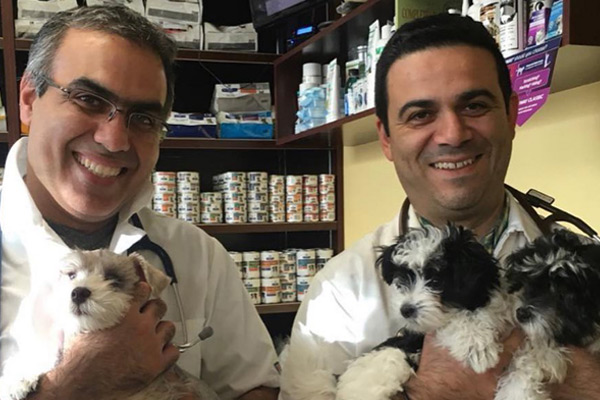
(408, 310)
(80, 294)
(524, 314)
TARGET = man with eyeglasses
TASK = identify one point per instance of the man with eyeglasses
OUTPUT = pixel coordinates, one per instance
(95, 94)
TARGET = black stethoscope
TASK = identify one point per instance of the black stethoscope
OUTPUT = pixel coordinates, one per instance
(146, 244)
(532, 198)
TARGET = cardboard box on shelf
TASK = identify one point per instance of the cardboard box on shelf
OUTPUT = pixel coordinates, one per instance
(177, 12)
(42, 10)
(192, 125)
(135, 5)
(241, 97)
(231, 38)
(249, 125)
(186, 35)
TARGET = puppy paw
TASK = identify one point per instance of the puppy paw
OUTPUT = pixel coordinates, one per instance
(374, 376)
(482, 359)
(17, 388)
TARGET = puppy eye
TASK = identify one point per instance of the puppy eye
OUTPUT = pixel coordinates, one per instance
(115, 280)
(70, 274)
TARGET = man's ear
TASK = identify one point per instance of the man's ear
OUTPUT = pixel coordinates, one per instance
(384, 140)
(27, 96)
(513, 110)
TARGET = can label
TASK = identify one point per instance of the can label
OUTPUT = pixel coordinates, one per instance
(188, 176)
(211, 218)
(311, 199)
(251, 264)
(164, 177)
(293, 180)
(305, 263)
(164, 198)
(302, 285)
(293, 199)
(327, 216)
(258, 217)
(288, 296)
(164, 188)
(311, 190)
(293, 190)
(259, 176)
(311, 217)
(189, 197)
(294, 217)
(233, 217)
(211, 197)
(189, 217)
(277, 217)
(259, 187)
(326, 178)
(188, 208)
(258, 197)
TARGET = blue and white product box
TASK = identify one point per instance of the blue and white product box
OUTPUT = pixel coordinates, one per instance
(555, 22)
(245, 125)
(192, 125)
(230, 38)
(241, 97)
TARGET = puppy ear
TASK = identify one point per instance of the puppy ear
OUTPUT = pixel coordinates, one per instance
(385, 261)
(157, 279)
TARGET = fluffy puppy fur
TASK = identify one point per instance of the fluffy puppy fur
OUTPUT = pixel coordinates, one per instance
(439, 280)
(93, 291)
(555, 281)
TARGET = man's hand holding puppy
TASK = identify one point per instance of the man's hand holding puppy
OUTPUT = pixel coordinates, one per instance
(118, 361)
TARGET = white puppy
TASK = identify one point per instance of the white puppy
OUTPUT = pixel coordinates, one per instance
(93, 292)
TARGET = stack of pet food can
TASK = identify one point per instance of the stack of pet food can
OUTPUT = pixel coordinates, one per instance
(258, 197)
(287, 275)
(305, 270)
(293, 198)
(188, 196)
(270, 287)
(237, 260)
(310, 191)
(327, 197)
(322, 256)
(251, 274)
(164, 200)
(211, 207)
(277, 198)
(233, 186)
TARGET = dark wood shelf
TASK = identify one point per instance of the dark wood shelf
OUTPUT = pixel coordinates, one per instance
(3, 137)
(230, 57)
(277, 308)
(213, 229)
(242, 144)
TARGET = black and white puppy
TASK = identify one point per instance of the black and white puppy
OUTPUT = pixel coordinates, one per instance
(93, 291)
(443, 281)
(555, 281)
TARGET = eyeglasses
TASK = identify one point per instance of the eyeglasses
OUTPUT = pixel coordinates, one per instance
(98, 107)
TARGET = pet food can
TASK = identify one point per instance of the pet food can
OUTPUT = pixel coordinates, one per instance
(235, 207)
(164, 188)
(269, 264)
(211, 208)
(168, 209)
(258, 217)
(260, 187)
(188, 176)
(236, 256)
(234, 197)
(293, 199)
(327, 216)
(234, 187)
(327, 207)
(311, 190)
(287, 284)
(164, 198)
(311, 217)
(310, 208)
(278, 190)
(294, 216)
(311, 199)
(287, 261)
(276, 208)
(235, 217)
(326, 178)
(275, 180)
(188, 197)
(191, 217)
(277, 218)
(293, 180)
(164, 177)
(305, 262)
(188, 187)
(258, 197)
(326, 188)
(233, 177)
(293, 208)
(258, 206)
(251, 264)
(302, 285)
(310, 180)
(211, 197)
(211, 218)
(253, 288)
(183, 207)
(293, 190)
(270, 290)
(257, 176)
(323, 255)
(288, 296)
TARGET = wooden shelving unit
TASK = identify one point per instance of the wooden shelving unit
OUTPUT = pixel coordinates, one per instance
(277, 308)
(214, 229)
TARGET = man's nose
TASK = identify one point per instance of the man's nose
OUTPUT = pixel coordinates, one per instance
(452, 130)
(113, 134)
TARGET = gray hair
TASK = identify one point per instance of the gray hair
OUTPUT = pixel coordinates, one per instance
(114, 19)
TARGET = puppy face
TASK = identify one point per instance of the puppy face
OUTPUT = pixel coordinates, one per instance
(95, 288)
(555, 280)
(433, 271)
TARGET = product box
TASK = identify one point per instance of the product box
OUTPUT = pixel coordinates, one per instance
(538, 23)
(241, 97)
(42, 10)
(186, 35)
(489, 15)
(177, 12)
(251, 125)
(360, 96)
(555, 21)
(135, 5)
(407, 10)
(513, 22)
(192, 125)
(230, 38)
(28, 28)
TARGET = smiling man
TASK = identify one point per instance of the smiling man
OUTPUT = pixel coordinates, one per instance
(446, 119)
(95, 94)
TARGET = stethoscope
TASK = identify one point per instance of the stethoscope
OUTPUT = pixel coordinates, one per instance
(146, 244)
(532, 198)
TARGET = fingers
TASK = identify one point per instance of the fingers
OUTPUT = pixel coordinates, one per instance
(141, 294)
(511, 344)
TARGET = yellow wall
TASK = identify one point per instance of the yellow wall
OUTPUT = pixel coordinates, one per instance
(557, 151)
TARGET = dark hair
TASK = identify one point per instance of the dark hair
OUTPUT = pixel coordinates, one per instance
(114, 19)
(435, 31)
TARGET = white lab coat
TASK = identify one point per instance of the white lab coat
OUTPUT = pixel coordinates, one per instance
(345, 312)
(238, 357)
